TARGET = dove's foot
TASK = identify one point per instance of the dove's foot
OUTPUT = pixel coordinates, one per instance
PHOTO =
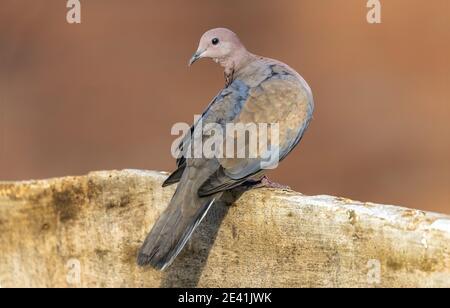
(266, 183)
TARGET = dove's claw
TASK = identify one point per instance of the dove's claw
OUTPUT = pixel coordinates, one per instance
(266, 183)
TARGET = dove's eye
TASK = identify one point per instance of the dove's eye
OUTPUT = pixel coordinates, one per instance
(215, 41)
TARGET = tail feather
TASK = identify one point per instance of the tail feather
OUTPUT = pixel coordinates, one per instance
(173, 229)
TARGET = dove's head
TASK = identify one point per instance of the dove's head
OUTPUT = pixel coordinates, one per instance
(221, 45)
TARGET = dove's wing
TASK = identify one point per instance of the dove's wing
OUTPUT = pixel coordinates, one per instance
(281, 98)
(223, 109)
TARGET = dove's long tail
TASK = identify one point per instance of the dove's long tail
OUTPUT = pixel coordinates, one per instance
(175, 226)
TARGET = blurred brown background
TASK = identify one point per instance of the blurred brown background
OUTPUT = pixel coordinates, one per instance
(104, 94)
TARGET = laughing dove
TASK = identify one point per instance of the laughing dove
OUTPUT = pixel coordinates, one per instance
(258, 90)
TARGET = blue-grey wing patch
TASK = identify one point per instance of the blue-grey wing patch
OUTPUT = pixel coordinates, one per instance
(222, 109)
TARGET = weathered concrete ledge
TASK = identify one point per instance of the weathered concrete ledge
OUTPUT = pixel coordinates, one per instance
(85, 232)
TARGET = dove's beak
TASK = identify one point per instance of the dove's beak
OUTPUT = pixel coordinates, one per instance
(197, 56)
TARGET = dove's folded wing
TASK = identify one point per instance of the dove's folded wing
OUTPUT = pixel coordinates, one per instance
(270, 103)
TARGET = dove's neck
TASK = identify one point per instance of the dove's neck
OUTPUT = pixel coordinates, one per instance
(233, 64)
